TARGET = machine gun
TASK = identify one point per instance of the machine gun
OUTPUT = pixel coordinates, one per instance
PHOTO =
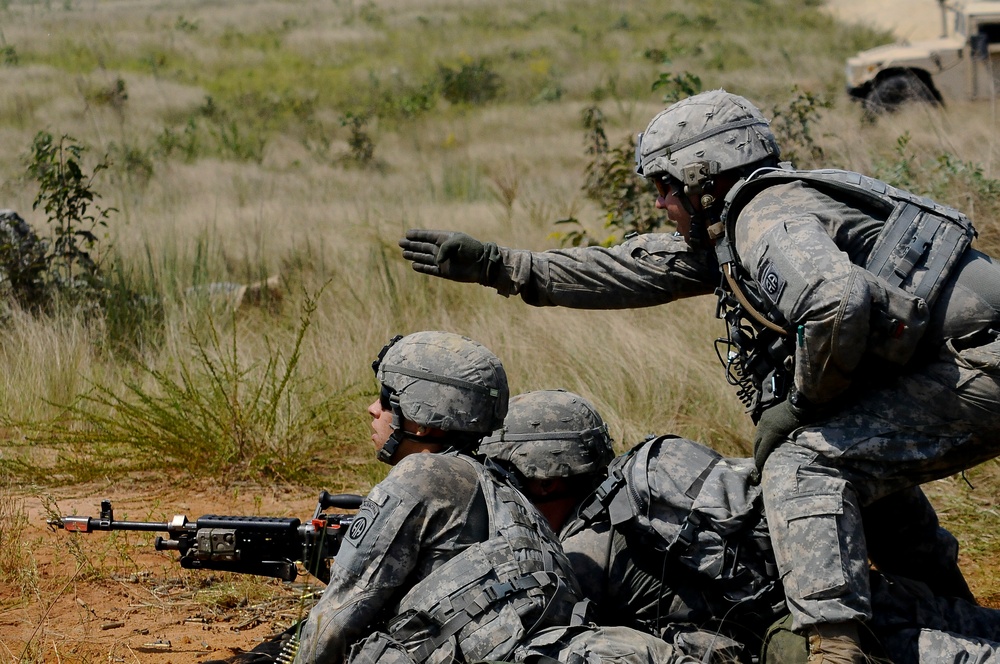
(260, 545)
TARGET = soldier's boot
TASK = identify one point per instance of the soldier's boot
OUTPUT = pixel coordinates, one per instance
(835, 643)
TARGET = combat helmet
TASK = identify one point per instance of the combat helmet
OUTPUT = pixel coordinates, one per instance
(444, 381)
(549, 434)
(709, 133)
(691, 142)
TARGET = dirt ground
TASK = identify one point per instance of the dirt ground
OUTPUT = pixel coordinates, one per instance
(107, 597)
(129, 603)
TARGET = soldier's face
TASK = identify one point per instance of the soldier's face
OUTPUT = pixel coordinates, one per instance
(668, 198)
(381, 423)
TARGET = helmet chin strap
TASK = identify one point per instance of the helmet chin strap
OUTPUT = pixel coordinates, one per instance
(392, 444)
(698, 178)
(398, 434)
(700, 220)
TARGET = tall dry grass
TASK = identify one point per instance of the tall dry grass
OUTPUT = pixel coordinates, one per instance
(201, 205)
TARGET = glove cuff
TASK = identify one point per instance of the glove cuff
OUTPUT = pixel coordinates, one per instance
(492, 262)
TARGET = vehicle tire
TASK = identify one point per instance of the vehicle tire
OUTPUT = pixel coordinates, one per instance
(891, 92)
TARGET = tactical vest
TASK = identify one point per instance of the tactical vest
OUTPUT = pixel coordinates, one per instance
(702, 513)
(485, 601)
(912, 258)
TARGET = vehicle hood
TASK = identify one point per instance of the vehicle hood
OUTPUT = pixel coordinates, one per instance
(900, 52)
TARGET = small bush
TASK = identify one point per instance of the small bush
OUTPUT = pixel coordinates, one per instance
(67, 195)
(948, 180)
(186, 142)
(793, 124)
(677, 86)
(113, 96)
(8, 56)
(360, 145)
(611, 181)
(472, 83)
(131, 163)
(184, 25)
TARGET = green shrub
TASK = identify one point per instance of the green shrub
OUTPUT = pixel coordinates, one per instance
(611, 181)
(677, 86)
(360, 145)
(67, 196)
(114, 95)
(946, 179)
(472, 83)
(792, 125)
(213, 414)
(8, 56)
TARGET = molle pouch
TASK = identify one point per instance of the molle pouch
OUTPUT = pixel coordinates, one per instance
(912, 259)
(918, 247)
(379, 648)
(898, 321)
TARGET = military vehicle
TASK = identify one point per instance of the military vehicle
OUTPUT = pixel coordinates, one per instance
(962, 64)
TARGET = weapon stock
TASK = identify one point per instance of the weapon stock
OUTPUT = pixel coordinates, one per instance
(260, 545)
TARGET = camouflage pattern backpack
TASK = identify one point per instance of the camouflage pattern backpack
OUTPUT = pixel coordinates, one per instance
(702, 512)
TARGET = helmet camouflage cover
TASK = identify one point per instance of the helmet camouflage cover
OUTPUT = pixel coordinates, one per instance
(445, 381)
(549, 434)
(717, 127)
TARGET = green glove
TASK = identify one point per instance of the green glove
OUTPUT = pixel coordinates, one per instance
(773, 428)
(451, 255)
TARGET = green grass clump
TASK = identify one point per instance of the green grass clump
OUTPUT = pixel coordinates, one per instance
(216, 413)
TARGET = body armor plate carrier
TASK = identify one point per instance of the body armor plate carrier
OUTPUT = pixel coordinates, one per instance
(913, 257)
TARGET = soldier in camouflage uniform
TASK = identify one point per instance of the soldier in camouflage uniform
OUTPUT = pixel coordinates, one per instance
(445, 561)
(862, 330)
(674, 541)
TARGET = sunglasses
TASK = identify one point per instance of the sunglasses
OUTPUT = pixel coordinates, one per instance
(385, 398)
(666, 187)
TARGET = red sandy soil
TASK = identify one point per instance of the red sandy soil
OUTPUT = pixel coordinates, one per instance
(132, 603)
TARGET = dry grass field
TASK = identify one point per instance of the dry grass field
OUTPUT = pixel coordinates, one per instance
(298, 140)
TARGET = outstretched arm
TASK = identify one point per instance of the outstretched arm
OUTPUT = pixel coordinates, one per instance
(643, 271)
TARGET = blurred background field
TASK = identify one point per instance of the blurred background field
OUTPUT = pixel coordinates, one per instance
(235, 142)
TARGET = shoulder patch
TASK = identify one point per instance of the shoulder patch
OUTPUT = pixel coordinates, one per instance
(363, 521)
(771, 282)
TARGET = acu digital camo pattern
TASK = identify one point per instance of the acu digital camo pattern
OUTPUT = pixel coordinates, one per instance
(677, 535)
(624, 570)
(549, 434)
(933, 421)
(883, 431)
(891, 430)
(713, 126)
(427, 542)
(510, 584)
(593, 644)
(446, 381)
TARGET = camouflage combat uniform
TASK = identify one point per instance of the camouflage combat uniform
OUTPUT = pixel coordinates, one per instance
(893, 430)
(442, 546)
(434, 538)
(677, 537)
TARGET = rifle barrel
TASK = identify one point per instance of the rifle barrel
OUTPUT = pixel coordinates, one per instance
(87, 524)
